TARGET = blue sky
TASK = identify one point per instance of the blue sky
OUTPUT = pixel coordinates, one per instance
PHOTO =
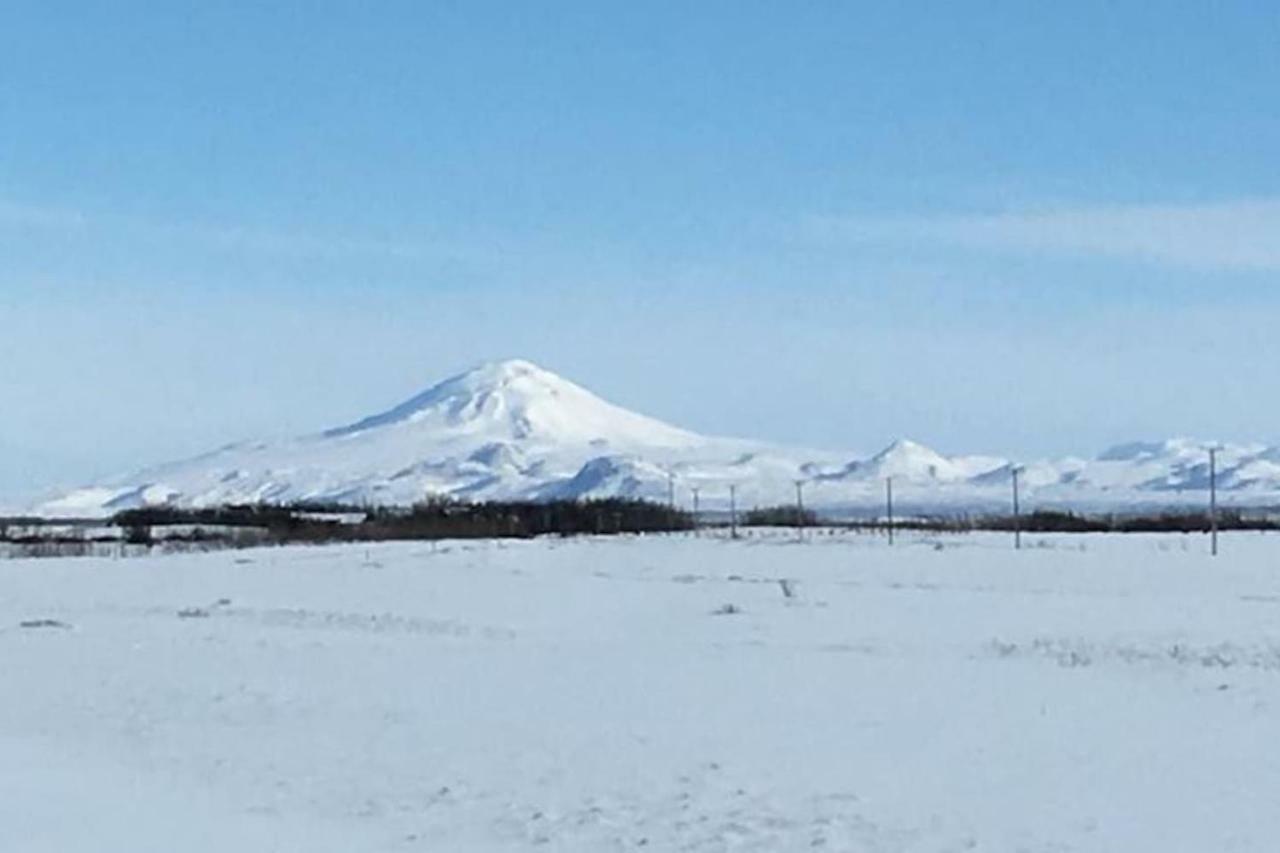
(1003, 227)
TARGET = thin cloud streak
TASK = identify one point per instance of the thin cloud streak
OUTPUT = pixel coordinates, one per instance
(1230, 236)
(21, 216)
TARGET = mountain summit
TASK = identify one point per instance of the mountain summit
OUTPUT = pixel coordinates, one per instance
(517, 400)
(513, 430)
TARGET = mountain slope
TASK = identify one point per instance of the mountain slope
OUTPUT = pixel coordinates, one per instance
(502, 430)
(512, 430)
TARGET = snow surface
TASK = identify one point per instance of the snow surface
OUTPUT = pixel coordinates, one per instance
(513, 430)
(663, 693)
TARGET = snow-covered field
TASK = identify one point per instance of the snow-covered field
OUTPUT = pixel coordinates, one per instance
(666, 693)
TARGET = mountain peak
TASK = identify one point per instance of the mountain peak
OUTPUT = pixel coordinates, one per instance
(905, 446)
(503, 371)
(515, 399)
(1137, 451)
(911, 461)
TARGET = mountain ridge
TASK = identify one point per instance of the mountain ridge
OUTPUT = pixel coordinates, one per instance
(513, 430)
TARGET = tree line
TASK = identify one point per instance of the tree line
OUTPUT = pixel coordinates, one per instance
(1037, 521)
(433, 519)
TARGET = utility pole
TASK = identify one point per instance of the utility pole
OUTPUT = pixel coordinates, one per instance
(888, 506)
(671, 491)
(1017, 520)
(695, 510)
(800, 509)
(733, 512)
(1213, 501)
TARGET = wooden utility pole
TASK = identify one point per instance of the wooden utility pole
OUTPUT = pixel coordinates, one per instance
(733, 512)
(1213, 501)
(799, 509)
(695, 510)
(888, 506)
(1017, 520)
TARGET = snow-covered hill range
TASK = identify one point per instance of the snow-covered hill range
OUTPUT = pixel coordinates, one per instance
(513, 430)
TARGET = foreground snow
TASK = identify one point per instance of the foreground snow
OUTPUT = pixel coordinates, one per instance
(1088, 693)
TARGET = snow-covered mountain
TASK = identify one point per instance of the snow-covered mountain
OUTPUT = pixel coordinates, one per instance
(513, 430)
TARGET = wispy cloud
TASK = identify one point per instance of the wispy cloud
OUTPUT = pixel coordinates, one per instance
(226, 237)
(1236, 235)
